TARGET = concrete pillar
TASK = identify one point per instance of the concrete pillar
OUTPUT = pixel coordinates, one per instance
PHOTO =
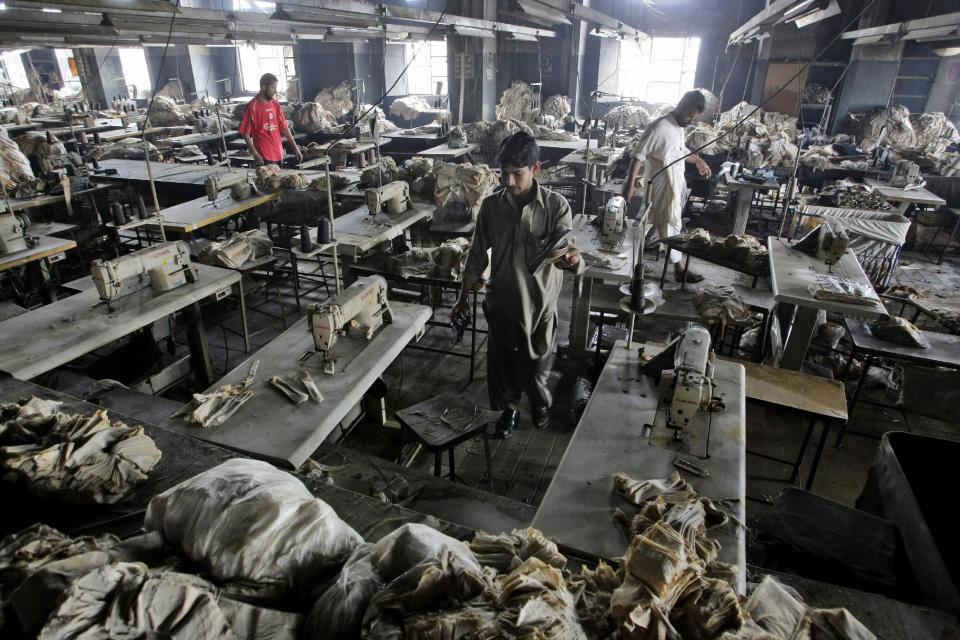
(480, 90)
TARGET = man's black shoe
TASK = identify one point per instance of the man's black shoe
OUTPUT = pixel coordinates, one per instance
(508, 423)
(541, 417)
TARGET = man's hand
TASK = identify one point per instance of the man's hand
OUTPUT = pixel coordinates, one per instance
(297, 153)
(462, 307)
(257, 159)
(569, 260)
(703, 168)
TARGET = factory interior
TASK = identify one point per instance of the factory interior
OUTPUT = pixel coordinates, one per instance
(476, 319)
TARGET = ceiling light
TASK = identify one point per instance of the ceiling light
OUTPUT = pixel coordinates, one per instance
(797, 8)
(471, 32)
(48, 10)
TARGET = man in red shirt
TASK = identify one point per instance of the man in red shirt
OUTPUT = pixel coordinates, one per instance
(262, 124)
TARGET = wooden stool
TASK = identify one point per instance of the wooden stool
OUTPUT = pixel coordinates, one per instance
(815, 398)
(443, 422)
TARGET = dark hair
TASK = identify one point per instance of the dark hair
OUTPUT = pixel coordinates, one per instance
(692, 101)
(518, 150)
(267, 79)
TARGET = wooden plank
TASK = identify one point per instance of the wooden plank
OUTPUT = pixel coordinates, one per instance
(47, 247)
(799, 391)
(200, 212)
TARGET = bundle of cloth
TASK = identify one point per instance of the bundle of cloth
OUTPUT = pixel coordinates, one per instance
(409, 107)
(627, 116)
(167, 113)
(761, 140)
(237, 250)
(557, 106)
(312, 117)
(336, 99)
(86, 459)
(14, 165)
(466, 183)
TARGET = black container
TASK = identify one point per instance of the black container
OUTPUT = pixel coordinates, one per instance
(323, 231)
(306, 244)
(141, 208)
(118, 217)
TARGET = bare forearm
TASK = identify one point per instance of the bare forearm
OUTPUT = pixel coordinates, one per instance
(629, 185)
(693, 158)
(249, 141)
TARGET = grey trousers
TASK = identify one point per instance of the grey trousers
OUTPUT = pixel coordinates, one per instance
(510, 369)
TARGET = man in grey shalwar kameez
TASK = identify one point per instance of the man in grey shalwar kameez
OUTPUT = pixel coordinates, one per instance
(520, 306)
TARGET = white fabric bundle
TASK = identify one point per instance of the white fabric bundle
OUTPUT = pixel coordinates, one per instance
(246, 520)
(557, 106)
(409, 107)
(336, 99)
(14, 166)
(467, 183)
(627, 116)
(312, 117)
(166, 113)
(518, 102)
(934, 132)
(899, 130)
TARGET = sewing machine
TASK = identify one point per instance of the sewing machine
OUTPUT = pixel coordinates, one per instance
(395, 196)
(687, 397)
(613, 218)
(828, 242)
(361, 308)
(219, 181)
(13, 237)
(163, 267)
(905, 174)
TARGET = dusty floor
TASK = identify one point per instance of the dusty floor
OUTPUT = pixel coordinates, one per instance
(523, 466)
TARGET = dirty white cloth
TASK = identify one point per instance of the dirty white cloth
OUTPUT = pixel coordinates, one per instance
(663, 143)
(245, 520)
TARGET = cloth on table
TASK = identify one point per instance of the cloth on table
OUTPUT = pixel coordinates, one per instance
(721, 303)
(467, 183)
(627, 116)
(836, 288)
(87, 459)
(409, 107)
(237, 250)
(14, 166)
(518, 102)
(245, 520)
(557, 106)
(311, 117)
(167, 113)
(336, 99)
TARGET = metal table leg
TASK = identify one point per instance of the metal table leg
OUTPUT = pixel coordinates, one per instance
(798, 340)
(856, 396)
(816, 456)
(243, 318)
(199, 352)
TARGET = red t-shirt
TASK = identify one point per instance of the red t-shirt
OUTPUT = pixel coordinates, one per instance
(264, 122)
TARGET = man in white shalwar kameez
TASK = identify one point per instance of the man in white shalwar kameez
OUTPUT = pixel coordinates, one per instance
(662, 145)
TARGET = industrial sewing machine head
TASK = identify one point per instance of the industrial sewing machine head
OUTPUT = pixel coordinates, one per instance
(613, 222)
(359, 310)
(162, 267)
(13, 236)
(395, 196)
(828, 242)
(213, 184)
(905, 174)
(687, 398)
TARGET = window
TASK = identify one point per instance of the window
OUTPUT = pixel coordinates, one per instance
(12, 70)
(428, 68)
(658, 70)
(257, 59)
(133, 62)
(255, 6)
(68, 71)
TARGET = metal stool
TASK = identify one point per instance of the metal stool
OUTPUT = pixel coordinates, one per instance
(443, 422)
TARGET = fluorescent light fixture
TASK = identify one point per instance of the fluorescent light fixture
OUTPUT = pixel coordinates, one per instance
(3, 6)
(471, 32)
(543, 12)
(797, 8)
(947, 52)
(522, 37)
(604, 32)
(49, 10)
(811, 17)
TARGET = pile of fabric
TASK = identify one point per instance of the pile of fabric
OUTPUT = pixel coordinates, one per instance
(763, 139)
(86, 459)
(312, 117)
(557, 106)
(246, 521)
(13, 115)
(934, 132)
(409, 107)
(816, 93)
(627, 116)
(722, 304)
(336, 99)
(59, 587)
(518, 102)
(899, 331)
(212, 124)
(237, 250)
(14, 166)
(382, 172)
(743, 249)
(852, 195)
(369, 112)
(466, 183)
(167, 113)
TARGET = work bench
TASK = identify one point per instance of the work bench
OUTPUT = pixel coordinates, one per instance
(270, 427)
(75, 326)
